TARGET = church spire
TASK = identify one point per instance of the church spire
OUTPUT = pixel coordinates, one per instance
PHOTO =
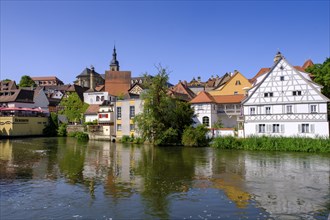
(114, 65)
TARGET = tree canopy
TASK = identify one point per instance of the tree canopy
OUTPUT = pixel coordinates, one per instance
(163, 118)
(73, 107)
(26, 81)
(321, 74)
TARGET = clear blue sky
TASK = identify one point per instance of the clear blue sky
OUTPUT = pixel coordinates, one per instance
(191, 38)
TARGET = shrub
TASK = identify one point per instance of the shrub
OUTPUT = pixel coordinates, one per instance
(169, 137)
(195, 136)
(125, 139)
(61, 131)
(82, 136)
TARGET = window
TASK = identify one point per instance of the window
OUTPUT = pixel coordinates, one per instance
(118, 127)
(102, 98)
(131, 111)
(118, 112)
(305, 128)
(252, 111)
(97, 98)
(313, 109)
(268, 94)
(276, 128)
(289, 109)
(268, 110)
(103, 115)
(262, 128)
(296, 93)
(237, 82)
(235, 93)
(131, 127)
(282, 78)
(206, 121)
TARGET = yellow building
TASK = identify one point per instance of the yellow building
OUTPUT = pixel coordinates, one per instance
(235, 86)
(22, 122)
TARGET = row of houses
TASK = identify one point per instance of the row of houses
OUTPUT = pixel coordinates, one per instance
(281, 100)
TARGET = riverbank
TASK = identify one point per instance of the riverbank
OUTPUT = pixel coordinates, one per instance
(295, 144)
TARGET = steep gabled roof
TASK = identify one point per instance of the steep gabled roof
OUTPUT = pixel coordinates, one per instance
(307, 64)
(203, 97)
(181, 88)
(261, 72)
(18, 95)
(92, 110)
(256, 87)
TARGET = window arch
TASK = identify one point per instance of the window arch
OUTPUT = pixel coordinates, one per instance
(206, 121)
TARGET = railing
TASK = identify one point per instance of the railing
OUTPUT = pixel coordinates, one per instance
(286, 117)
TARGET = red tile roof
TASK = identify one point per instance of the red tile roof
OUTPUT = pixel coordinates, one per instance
(307, 64)
(261, 72)
(225, 99)
(92, 110)
(202, 97)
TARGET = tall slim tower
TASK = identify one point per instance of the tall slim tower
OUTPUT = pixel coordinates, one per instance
(114, 65)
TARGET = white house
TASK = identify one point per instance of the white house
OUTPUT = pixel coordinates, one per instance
(96, 98)
(285, 102)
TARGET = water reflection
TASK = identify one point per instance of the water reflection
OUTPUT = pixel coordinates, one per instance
(170, 182)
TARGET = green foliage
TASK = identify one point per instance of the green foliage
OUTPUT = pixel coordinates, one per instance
(125, 139)
(318, 145)
(131, 139)
(62, 130)
(51, 129)
(82, 136)
(195, 137)
(163, 118)
(321, 73)
(94, 122)
(168, 137)
(26, 81)
(74, 108)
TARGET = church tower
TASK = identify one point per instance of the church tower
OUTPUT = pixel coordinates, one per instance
(114, 65)
(117, 83)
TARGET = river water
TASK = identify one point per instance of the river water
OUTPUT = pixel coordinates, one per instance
(61, 178)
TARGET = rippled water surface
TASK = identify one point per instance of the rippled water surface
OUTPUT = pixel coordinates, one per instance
(60, 178)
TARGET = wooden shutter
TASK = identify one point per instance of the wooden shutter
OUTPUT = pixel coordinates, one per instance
(268, 128)
(257, 128)
(299, 128)
(282, 129)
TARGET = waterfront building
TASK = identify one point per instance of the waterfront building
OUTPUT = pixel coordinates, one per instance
(224, 109)
(47, 81)
(284, 101)
(24, 98)
(16, 121)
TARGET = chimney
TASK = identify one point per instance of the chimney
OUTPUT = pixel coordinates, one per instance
(91, 78)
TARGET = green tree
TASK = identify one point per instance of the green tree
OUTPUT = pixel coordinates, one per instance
(26, 81)
(195, 137)
(163, 118)
(73, 108)
(321, 73)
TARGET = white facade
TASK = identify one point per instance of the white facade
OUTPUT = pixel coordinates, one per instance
(96, 98)
(91, 118)
(206, 113)
(285, 102)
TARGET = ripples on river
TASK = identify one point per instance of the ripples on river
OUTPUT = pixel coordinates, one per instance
(60, 178)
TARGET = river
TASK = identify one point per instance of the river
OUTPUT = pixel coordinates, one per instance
(61, 178)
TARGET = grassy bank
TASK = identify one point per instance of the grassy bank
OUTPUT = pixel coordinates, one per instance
(273, 144)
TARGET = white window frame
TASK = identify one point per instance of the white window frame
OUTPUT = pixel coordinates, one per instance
(313, 108)
(268, 110)
(289, 109)
(261, 128)
(252, 111)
